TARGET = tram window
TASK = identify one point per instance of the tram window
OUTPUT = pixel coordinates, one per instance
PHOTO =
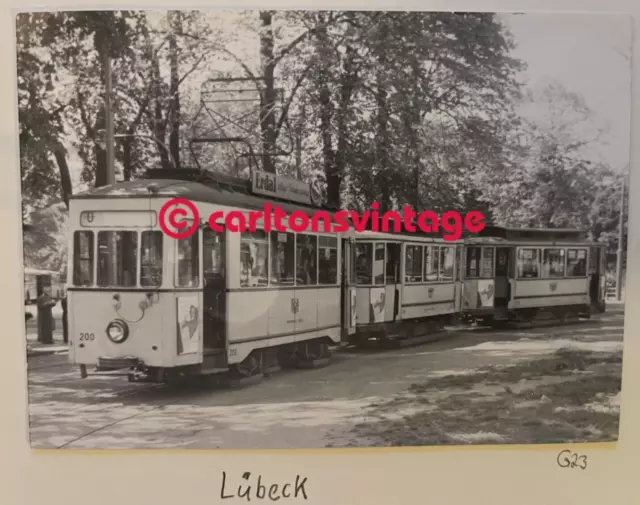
(212, 253)
(188, 271)
(117, 258)
(576, 262)
(364, 257)
(379, 263)
(602, 253)
(327, 260)
(447, 258)
(486, 266)
(254, 259)
(393, 264)
(553, 263)
(431, 261)
(413, 263)
(306, 260)
(458, 260)
(473, 262)
(528, 264)
(282, 258)
(151, 258)
(83, 258)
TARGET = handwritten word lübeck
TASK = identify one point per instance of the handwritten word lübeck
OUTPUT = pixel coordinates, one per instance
(262, 490)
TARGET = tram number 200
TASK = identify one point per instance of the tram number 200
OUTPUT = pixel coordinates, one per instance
(87, 337)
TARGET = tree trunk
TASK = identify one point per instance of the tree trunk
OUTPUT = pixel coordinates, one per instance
(174, 117)
(100, 152)
(268, 96)
(326, 110)
(65, 175)
(158, 124)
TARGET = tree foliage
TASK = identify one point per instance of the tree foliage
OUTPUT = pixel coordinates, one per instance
(418, 108)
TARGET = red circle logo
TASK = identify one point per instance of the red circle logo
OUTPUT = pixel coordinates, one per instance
(169, 217)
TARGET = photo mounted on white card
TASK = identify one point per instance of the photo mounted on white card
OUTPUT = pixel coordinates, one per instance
(265, 214)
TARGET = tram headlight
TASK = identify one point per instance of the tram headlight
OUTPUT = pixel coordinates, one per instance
(117, 331)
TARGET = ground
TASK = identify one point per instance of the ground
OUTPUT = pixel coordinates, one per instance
(476, 387)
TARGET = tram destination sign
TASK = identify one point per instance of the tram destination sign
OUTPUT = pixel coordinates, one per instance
(286, 188)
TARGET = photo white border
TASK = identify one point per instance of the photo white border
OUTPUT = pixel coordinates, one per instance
(438, 475)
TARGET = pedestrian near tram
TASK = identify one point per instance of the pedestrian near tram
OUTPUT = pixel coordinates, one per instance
(65, 328)
(45, 318)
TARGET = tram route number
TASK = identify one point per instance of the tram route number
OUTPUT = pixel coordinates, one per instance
(568, 459)
(87, 337)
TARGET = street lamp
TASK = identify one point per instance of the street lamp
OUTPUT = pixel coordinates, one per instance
(101, 140)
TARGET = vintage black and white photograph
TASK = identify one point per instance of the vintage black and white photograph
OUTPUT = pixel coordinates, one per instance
(165, 307)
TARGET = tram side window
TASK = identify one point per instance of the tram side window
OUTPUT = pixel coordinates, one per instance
(151, 258)
(364, 261)
(528, 264)
(413, 263)
(306, 260)
(212, 253)
(473, 262)
(447, 259)
(431, 260)
(379, 263)
(83, 258)
(576, 262)
(254, 259)
(553, 263)
(486, 266)
(458, 260)
(283, 251)
(117, 258)
(393, 263)
(327, 260)
(188, 268)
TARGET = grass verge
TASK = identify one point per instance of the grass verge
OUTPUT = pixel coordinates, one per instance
(569, 396)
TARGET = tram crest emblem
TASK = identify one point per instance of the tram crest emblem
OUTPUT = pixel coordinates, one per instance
(295, 305)
(553, 286)
(430, 292)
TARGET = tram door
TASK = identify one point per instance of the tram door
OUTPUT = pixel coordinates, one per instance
(392, 281)
(215, 290)
(502, 286)
(348, 297)
(597, 278)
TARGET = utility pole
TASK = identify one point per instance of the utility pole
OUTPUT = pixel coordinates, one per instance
(619, 275)
(108, 96)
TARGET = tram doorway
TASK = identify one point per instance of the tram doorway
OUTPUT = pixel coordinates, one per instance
(215, 287)
(502, 287)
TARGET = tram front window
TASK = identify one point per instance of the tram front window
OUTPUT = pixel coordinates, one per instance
(83, 258)
(117, 258)
(151, 258)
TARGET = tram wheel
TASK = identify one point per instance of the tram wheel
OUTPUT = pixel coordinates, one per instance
(252, 365)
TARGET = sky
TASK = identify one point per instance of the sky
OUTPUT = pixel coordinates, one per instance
(589, 55)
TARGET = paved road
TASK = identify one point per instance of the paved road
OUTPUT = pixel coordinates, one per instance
(297, 409)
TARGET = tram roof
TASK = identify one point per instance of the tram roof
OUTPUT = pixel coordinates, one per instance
(533, 234)
(194, 186)
(215, 188)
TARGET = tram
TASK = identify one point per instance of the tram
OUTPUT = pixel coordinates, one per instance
(152, 307)
(407, 287)
(532, 274)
